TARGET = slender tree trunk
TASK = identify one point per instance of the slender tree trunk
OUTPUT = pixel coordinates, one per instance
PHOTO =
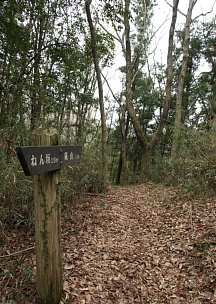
(36, 102)
(121, 174)
(148, 152)
(101, 98)
(124, 131)
(119, 170)
(180, 88)
(148, 147)
(169, 79)
(129, 94)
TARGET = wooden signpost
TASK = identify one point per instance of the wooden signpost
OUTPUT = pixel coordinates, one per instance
(43, 161)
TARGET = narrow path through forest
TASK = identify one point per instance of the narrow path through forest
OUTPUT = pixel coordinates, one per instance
(142, 244)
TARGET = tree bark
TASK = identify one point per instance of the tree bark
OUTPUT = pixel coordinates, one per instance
(169, 79)
(101, 98)
(147, 156)
(36, 102)
(129, 94)
(122, 171)
(148, 147)
(182, 76)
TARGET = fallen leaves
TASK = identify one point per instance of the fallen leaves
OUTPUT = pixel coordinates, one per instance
(139, 244)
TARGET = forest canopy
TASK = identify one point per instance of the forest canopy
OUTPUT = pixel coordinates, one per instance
(154, 121)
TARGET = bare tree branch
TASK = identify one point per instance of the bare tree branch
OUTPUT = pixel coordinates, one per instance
(109, 87)
(205, 14)
(178, 8)
(113, 36)
(16, 253)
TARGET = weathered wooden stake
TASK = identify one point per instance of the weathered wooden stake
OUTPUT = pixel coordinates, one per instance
(47, 226)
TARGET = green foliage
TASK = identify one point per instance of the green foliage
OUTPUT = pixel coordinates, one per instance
(195, 168)
(199, 94)
(16, 194)
(47, 66)
(15, 273)
(146, 102)
(17, 205)
(84, 178)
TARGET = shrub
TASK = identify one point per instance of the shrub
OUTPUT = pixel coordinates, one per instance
(195, 167)
(85, 177)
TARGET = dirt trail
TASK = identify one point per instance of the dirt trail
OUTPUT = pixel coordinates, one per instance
(140, 244)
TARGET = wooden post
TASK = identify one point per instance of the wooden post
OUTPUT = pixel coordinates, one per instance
(47, 226)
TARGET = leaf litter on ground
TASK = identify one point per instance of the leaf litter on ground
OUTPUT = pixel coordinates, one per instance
(137, 244)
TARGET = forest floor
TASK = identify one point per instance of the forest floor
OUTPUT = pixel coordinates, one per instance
(138, 244)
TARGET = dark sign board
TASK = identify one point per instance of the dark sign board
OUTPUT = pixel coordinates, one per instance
(36, 160)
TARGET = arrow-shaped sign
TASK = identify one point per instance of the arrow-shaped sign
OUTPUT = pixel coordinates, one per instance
(36, 160)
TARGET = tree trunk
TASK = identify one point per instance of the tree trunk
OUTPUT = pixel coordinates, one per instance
(36, 101)
(180, 88)
(121, 175)
(169, 79)
(129, 94)
(101, 98)
(146, 164)
(148, 147)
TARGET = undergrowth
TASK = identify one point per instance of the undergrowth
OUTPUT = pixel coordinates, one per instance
(194, 170)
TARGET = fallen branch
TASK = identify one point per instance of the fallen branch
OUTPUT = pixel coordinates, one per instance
(16, 253)
(93, 194)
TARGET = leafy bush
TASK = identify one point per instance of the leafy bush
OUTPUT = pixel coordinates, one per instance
(195, 168)
(85, 177)
(16, 195)
(16, 190)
